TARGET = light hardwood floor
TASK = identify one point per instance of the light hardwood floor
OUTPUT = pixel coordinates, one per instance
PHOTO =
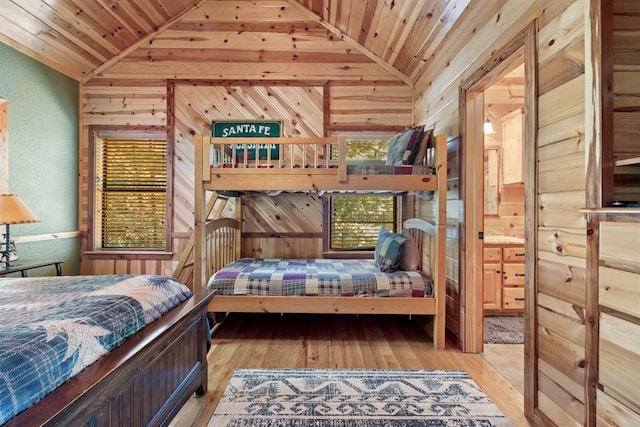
(508, 360)
(335, 341)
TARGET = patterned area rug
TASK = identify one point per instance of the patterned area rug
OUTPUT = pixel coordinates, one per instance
(504, 329)
(354, 397)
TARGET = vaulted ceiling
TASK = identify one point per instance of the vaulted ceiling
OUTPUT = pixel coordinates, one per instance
(233, 39)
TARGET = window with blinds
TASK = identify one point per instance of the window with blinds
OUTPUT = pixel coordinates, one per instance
(131, 193)
(356, 220)
(352, 222)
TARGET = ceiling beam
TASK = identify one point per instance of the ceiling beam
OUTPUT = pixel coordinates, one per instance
(353, 43)
(115, 59)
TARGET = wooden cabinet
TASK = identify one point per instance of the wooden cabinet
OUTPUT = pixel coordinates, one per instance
(503, 284)
(492, 279)
(513, 147)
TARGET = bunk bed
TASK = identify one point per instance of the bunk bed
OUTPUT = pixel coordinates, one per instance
(316, 165)
(100, 350)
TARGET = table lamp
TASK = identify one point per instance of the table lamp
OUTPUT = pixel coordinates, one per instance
(12, 211)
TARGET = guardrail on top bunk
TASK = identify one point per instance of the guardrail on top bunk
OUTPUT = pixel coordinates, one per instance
(305, 164)
(278, 152)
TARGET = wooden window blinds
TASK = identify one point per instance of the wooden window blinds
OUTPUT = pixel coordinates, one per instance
(356, 220)
(132, 187)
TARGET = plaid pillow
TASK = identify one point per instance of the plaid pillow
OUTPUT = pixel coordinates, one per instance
(401, 144)
(413, 146)
(419, 150)
(387, 253)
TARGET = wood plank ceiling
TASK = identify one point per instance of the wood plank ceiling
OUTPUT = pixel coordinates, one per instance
(251, 39)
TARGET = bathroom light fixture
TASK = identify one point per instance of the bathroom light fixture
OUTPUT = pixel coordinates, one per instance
(488, 127)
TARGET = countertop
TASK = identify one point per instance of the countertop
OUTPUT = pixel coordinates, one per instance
(503, 240)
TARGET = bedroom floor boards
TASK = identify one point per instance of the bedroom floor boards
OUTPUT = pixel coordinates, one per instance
(335, 341)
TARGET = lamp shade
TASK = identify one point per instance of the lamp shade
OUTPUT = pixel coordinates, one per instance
(14, 211)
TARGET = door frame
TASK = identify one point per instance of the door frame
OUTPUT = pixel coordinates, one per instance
(522, 48)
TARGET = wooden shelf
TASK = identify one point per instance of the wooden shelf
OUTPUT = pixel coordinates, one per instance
(628, 162)
(611, 210)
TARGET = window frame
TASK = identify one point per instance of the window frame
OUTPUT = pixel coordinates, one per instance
(400, 202)
(93, 248)
(328, 251)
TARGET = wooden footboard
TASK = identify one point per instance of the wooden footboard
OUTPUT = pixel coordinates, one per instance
(145, 381)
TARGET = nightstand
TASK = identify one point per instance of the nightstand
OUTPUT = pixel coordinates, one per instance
(23, 266)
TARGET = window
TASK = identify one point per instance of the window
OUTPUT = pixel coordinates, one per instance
(364, 149)
(130, 192)
(352, 222)
(355, 220)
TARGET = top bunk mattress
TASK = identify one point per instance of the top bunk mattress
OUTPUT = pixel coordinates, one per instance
(356, 168)
(317, 277)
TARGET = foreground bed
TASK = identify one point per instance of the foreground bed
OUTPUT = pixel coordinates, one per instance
(142, 381)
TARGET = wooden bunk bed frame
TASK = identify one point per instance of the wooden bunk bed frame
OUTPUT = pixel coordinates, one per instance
(143, 382)
(217, 242)
(300, 164)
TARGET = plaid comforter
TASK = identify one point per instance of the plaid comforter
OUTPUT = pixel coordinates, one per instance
(325, 277)
(53, 327)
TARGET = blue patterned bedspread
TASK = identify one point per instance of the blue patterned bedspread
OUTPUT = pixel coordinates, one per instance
(53, 327)
(325, 277)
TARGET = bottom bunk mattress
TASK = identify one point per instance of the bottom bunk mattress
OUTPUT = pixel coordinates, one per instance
(53, 327)
(317, 277)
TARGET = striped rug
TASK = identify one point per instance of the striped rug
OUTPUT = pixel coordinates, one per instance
(354, 397)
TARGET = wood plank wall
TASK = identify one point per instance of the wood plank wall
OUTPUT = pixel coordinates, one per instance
(238, 60)
(509, 220)
(298, 217)
(562, 228)
(560, 394)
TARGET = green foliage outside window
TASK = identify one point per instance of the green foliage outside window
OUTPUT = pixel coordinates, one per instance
(356, 219)
(364, 149)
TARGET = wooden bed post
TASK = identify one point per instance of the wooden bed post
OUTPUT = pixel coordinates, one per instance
(439, 325)
(199, 262)
(238, 238)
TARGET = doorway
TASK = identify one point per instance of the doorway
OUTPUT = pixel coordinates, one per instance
(520, 50)
(503, 226)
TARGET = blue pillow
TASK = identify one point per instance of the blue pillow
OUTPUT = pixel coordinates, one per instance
(387, 253)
